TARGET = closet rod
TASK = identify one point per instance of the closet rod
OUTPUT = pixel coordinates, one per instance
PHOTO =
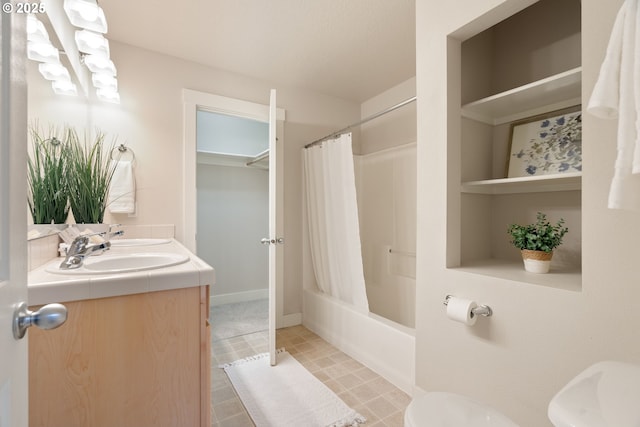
(365, 120)
(259, 157)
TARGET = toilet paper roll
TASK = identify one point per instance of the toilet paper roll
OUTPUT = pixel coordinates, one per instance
(459, 309)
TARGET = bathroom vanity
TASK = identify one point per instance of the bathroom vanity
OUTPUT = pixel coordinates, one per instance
(135, 350)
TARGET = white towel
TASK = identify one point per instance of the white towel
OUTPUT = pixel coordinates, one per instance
(617, 95)
(122, 193)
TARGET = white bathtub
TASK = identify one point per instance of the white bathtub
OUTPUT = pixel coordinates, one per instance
(386, 347)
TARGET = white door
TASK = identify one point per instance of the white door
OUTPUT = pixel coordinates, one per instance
(274, 232)
(13, 227)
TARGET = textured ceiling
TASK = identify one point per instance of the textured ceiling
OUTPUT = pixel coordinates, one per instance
(350, 49)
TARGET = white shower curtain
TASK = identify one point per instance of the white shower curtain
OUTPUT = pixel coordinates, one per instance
(333, 220)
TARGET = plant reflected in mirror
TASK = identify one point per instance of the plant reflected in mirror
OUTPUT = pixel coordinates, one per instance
(48, 194)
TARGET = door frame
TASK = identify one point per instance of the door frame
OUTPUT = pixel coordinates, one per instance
(14, 381)
(194, 101)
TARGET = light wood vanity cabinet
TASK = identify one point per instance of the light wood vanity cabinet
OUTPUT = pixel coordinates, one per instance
(137, 360)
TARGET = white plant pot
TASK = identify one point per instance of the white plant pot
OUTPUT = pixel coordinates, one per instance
(536, 261)
(536, 266)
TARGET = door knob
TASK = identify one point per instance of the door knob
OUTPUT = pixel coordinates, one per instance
(266, 241)
(48, 317)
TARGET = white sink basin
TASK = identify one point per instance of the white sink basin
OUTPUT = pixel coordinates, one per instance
(114, 264)
(138, 242)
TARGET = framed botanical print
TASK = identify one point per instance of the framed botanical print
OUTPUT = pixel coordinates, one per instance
(545, 145)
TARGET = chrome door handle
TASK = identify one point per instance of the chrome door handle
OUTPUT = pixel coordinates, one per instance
(266, 241)
(48, 317)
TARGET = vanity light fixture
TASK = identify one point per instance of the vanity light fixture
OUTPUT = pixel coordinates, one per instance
(86, 14)
(90, 25)
(40, 49)
(94, 47)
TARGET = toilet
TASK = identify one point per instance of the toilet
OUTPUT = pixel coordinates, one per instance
(440, 409)
(604, 395)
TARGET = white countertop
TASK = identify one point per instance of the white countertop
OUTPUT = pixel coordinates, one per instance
(45, 287)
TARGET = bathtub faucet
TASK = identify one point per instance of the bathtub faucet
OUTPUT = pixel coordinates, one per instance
(79, 250)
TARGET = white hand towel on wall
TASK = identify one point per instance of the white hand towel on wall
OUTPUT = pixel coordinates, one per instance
(617, 95)
(122, 193)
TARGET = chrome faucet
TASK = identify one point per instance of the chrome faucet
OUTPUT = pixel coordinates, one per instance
(111, 234)
(115, 233)
(79, 250)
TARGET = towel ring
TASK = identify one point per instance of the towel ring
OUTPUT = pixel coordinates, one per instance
(123, 149)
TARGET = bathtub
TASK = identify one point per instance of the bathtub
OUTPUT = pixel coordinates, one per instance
(386, 347)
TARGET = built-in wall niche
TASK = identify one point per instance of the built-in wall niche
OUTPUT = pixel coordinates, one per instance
(524, 66)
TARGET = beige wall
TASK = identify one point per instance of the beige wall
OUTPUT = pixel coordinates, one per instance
(149, 120)
(392, 129)
(539, 337)
(233, 214)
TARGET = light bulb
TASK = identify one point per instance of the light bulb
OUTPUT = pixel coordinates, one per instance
(54, 71)
(86, 14)
(92, 43)
(64, 87)
(87, 11)
(42, 52)
(108, 95)
(35, 29)
(104, 81)
(100, 64)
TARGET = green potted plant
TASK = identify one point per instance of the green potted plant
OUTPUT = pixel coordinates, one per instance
(89, 178)
(47, 192)
(537, 242)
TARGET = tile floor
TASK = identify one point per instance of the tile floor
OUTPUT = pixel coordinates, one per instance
(359, 387)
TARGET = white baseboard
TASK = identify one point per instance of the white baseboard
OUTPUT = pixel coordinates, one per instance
(290, 320)
(282, 322)
(239, 297)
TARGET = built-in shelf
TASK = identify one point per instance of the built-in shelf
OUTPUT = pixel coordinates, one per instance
(480, 245)
(552, 93)
(226, 159)
(526, 184)
(564, 278)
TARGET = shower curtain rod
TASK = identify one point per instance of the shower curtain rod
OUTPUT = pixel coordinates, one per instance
(365, 120)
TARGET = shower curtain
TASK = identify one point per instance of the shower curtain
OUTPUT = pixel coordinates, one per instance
(333, 221)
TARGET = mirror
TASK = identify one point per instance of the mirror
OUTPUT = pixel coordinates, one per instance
(39, 231)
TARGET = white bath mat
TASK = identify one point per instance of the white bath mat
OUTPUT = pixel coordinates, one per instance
(287, 394)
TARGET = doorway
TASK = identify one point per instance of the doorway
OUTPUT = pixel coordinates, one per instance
(232, 198)
(193, 102)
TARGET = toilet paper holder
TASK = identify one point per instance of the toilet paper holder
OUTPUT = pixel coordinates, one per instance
(481, 310)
